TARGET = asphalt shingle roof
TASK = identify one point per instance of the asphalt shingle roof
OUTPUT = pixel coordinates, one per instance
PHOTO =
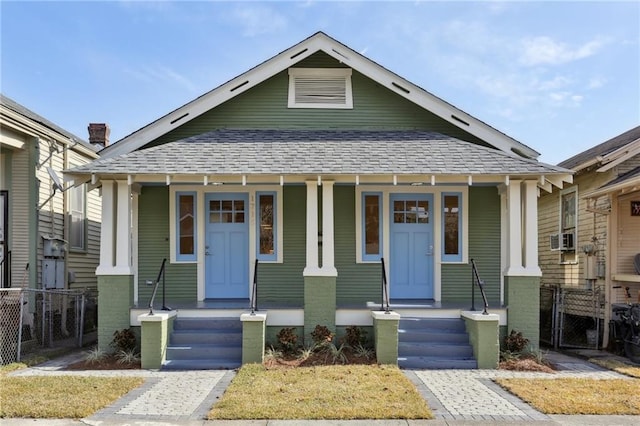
(282, 152)
(22, 110)
(602, 149)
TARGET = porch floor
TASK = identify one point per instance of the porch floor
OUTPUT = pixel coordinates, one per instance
(395, 304)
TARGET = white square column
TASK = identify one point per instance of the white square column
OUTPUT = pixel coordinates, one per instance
(328, 241)
(123, 231)
(312, 267)
(107, 229)
(531, 228)
(514, 227)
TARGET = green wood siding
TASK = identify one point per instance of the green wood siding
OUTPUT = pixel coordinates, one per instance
(265, 107)
(153, 246)
(484, 248)
(283, 282)
(356, 283)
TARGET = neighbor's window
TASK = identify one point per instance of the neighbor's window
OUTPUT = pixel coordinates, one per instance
(451, 227)
(78, 216)
(568, 210)
(371, 226)
(320, 88)
(186, 226)
(266, 206)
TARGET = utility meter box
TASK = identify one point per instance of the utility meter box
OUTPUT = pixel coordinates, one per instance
(53, 274)
(53, 247)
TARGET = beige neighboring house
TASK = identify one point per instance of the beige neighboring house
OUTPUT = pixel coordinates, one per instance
(590, 230)
(46, 223)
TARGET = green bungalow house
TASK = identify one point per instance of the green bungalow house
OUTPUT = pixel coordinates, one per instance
(318, 186)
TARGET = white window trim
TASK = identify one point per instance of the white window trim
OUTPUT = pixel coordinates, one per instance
(85, 213)
(437, 227)
(269, 258)
(563, 192)
(320, 72)
(201, 225)
(463, 208)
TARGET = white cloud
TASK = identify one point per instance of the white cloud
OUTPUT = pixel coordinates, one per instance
(596, 83)
(544, 50)
(163, 75)
(259, 20)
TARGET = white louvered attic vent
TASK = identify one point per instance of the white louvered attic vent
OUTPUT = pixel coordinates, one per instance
(320, 88)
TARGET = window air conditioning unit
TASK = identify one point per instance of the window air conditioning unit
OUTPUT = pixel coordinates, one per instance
(562, 242)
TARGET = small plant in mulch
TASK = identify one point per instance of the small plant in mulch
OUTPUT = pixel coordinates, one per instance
(354, 336)
(321, 335)
(516, 342)
(124, 340)
(288, 339)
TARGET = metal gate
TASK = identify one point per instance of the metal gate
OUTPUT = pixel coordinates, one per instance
(571, 317)
(33, 321)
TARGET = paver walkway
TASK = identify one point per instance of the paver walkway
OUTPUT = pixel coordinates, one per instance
(455, 397)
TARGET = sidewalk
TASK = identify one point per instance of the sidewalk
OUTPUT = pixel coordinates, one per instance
(456, 397)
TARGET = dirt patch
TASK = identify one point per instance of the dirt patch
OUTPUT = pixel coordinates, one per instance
(109, 362)
(526, 364)
(348, 357)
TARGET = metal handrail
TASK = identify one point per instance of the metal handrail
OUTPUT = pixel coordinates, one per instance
(5, 270)
(155, 289)
(385, 291)
(475, 278)
(254, 290)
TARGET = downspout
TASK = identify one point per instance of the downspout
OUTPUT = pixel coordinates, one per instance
(34, 198)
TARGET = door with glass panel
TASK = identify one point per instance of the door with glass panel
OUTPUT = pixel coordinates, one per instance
(411, 246)
(227, 246)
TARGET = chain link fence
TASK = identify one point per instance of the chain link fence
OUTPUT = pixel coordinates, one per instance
(571, 317)
(34, 321)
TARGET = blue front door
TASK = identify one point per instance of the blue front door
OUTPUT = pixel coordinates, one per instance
(411, 246)
(227, 246)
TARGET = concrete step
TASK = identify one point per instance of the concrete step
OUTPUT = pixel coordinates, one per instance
(445, 350)
(207, 324)
(200, 351)
(431, 335)
(223, 336)
(436, 363)
(202, 364)
(433, 324)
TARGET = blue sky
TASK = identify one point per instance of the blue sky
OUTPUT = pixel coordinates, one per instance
(557, 76)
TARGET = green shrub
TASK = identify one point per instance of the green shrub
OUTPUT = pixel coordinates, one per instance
(516, 342)
(354, 336)
(124, 341)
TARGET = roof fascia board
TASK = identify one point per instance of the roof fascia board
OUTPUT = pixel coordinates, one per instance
(213, 98)
(27, 126)
(631, 183)
(290, 57)
(621, 155)
(430, 102)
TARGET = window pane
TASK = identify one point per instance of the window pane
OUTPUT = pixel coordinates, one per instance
(214, 217)
(239, 217)
(214, 205)
(227, 205)
(77, 216)
(372, 224)
(423, 212)
(569, 210)
(266, 224)
(227, 218)
(186, 223)
(451, 224)
(398, 206)
(238, 205)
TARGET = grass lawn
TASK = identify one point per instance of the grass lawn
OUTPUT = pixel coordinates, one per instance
(578, 396)
(620, 367)
(324, 392)
(55, 397)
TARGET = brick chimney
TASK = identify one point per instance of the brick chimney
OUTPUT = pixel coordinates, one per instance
(99, 134)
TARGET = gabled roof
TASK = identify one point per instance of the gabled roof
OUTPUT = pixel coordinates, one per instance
(628, 181)
(321, 152)
(605, 152)
(19, 109)
(295, 54)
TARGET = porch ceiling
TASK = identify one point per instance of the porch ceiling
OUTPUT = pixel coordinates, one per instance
(318, 152)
